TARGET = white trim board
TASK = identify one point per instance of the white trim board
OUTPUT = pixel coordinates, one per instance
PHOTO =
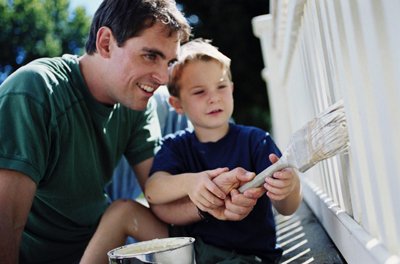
(353, 242)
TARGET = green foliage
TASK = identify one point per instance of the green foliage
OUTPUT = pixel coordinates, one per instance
(39, 28)
(36, 28)
(228, 24)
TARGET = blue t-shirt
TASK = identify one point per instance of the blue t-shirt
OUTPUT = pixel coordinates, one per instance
(243, 146)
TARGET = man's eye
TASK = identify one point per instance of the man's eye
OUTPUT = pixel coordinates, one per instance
(150, 56)
(222, 86)
(171, 63)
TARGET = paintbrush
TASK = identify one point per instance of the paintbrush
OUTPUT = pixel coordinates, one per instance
(321, 138)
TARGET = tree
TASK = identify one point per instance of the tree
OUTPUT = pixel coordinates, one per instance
(228, 24)
(39, 28)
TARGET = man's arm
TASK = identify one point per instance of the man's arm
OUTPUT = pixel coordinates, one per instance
(142, 170)
(180, 212)
(16, 196)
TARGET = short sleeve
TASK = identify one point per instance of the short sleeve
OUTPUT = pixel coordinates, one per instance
(145, 134)
(168, 158)
(25, 128)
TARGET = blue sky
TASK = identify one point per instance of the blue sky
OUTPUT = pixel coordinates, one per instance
(90, 5)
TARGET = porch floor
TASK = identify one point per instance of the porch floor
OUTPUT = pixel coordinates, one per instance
(304, 240)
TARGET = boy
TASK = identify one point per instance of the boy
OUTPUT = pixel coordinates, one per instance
(200, 86)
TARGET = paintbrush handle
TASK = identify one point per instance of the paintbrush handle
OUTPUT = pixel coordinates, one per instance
(260, 178)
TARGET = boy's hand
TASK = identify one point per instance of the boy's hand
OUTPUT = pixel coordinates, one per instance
(203, 192)
(282, 184)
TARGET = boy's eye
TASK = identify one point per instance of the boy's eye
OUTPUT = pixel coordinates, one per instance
(198, 92)
(222, 86)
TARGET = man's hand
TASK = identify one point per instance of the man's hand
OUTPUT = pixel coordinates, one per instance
(237, 206)
(233, 179)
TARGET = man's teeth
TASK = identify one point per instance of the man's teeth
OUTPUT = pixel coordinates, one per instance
(147, 88)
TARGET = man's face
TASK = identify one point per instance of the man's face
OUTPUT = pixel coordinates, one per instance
(140, 66)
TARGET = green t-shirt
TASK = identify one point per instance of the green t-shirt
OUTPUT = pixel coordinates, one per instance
(55, 132)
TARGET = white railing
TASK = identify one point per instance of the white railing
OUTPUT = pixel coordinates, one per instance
(317, 52)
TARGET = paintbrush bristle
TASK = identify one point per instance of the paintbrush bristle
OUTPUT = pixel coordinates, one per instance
(321, 138)
(329, 136)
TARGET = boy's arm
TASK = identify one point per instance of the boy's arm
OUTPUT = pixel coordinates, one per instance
(162, 187)
(184, 212)
(284, 189)
(237, 207)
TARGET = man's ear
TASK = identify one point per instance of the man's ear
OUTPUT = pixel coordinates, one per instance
(176, 104)
(104, 39)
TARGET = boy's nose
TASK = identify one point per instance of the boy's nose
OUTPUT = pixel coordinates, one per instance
(214, 98)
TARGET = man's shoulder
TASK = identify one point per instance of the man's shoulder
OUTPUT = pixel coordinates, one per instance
(63, 63)
(46, 82)
(47, 70)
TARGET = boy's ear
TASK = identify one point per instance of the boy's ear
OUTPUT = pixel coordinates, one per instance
(176, 104)
(104, 39)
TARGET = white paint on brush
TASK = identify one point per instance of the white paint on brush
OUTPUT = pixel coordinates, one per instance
(321, 138)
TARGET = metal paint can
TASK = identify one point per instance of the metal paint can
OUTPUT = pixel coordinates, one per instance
(173, 250)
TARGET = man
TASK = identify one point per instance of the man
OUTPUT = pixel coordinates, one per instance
(67, 121)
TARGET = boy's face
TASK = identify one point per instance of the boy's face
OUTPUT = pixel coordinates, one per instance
(137, 68)
(205, 95)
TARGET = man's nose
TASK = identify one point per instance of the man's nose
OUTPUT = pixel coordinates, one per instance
(161, 75)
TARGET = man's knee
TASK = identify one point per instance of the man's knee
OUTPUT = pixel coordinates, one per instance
(123, 208)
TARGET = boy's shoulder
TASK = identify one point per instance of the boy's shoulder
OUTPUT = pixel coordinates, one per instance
(180, 135)
(251, 135)
(250, 130)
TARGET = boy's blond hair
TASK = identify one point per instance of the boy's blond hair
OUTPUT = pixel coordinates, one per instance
(195, 50)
